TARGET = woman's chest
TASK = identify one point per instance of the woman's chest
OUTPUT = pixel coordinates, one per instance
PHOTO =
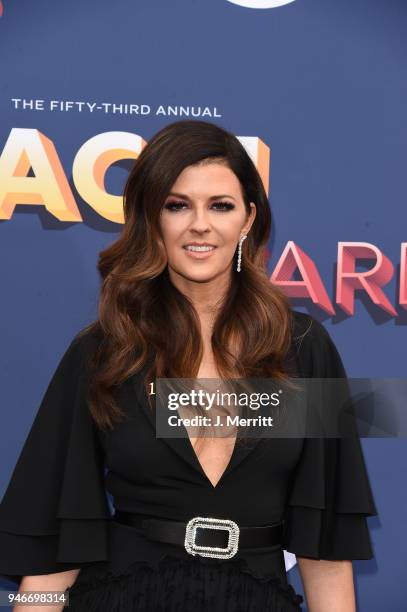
(135, 450)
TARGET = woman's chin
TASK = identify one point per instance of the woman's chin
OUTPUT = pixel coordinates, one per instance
(203, 274)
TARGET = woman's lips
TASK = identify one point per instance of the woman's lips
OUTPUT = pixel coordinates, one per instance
(199, 254)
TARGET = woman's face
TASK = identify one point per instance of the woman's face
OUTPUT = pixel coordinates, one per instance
(205, 206)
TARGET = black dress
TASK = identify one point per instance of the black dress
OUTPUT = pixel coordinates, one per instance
(55, 514)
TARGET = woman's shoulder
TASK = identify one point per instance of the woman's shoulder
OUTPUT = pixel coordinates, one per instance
(308, 329)
(314, 348)
(85, 340)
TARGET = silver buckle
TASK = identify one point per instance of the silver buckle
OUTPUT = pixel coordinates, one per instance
(207, 522)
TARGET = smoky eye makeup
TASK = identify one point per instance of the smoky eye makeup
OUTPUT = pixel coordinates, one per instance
(176, 205)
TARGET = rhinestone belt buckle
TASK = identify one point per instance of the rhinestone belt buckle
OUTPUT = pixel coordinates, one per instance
(211, 551)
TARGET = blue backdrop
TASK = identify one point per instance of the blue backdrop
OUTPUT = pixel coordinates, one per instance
(322, 83)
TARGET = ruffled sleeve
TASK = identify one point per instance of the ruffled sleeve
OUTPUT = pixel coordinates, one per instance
(330, 496)
(54, 513)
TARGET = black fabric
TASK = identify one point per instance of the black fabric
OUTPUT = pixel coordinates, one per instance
(182, 585)
(330, 495)
(54, 514)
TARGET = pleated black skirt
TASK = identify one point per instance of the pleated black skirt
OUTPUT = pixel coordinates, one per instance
(181, 585)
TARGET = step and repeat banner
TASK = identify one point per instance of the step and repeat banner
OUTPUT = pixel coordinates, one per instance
(317, 92)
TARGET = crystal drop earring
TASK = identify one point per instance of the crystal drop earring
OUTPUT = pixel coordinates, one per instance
(239, 252)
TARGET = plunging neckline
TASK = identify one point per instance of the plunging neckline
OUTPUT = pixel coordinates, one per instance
(214, 486)
(184, 448)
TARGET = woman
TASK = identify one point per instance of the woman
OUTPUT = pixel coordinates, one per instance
(185, 294)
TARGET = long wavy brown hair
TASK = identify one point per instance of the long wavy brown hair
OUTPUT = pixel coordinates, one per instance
(144, 321)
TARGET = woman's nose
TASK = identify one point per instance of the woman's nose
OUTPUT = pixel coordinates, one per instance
(200, 220)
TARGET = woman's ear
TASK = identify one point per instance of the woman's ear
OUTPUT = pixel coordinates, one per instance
(251, 218)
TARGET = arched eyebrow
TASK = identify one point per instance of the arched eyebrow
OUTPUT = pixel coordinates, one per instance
(215, 197)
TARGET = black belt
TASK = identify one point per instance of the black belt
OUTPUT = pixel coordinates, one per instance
(205, 536)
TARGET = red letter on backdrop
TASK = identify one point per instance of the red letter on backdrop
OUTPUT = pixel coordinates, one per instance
(371, 281)
(311, 284)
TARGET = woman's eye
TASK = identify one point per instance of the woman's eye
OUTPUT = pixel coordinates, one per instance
(224, 206)
(174, 205)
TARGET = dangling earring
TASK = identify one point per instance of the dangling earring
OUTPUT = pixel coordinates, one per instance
(239, 252)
